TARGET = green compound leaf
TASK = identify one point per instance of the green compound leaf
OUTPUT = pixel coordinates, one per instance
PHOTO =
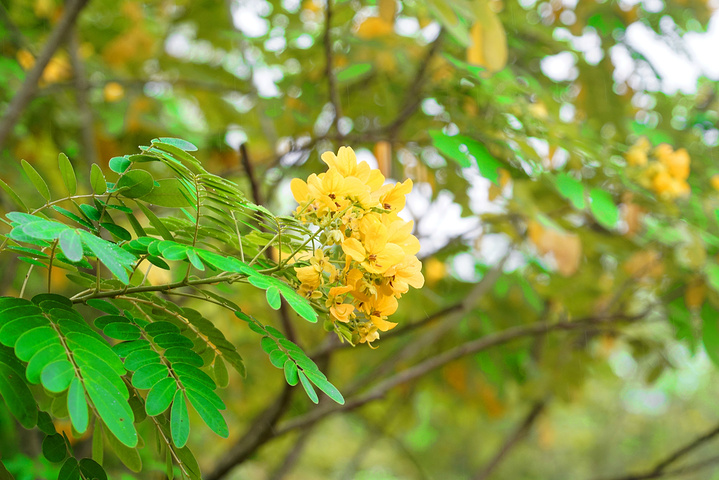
(129, 456)
(160, 396)
(273, 298)
(177, 142)
(603, 208)
(97, 180)
(14, 196)
(179, 420)
(57, 375)
(324, 385)
(119, 164)
(92, 470)
(54, 448)
(77, 406)
(112, 407)
(70, 470)
(15, 391)
(36, 179)
(135, 184)
(117, 260)
(169, 192)
(291, 373)
(209, 414)
(155, 222)
(71, 245)
(67, 172)
(308, 388)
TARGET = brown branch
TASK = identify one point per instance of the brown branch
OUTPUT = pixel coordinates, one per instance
(259, 432)
(83, 105)
(517, 435)
(660, 469)
(469, 348)
(250, 171)
(16, 36)
(413, 99)
(29, 86)
(329, 62)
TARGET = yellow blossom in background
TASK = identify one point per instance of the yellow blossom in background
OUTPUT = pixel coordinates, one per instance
(665, 172)
(367, 254)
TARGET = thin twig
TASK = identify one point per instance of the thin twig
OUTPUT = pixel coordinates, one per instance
(29, 86)
(660, 469)
(517, 435)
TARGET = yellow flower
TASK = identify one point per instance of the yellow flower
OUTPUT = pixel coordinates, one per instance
(342, 311)
(677, 164)
(345, 162)
(380, 309)
(374, 253)
(394, 197)
(335, 192)
(400, 277)
(367, 334)
(399, 232)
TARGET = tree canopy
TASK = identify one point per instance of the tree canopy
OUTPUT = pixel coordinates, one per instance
(191, 281)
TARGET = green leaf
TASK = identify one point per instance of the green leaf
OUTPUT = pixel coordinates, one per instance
(97, 180)
(71, 245)
(37, 180)
(54, 448)
(122, 331)
(155, 222)
(112, 407)
(98, 448)
(308, 387)
(160, 396)
(91, 212)
(119, 164)
(486, 162)
(273, 298)
(177, 142)
(353, 72)
(17, 396)
(146, 377)
(117, 231)
(571, 189)
(117, 260)
(135, 183)
(92, 470)
(324, 385)
(139, 358)
(179, 420)
(603, 208)
(219, 372)
(67, 213)
(70, 470)
(57, 375)
(77, 406)
(14, 196)
(291, 373)
(278, 358)
(129, 456)
(449, 146)
(67, 172)
(4, 474)
(209, 414)
(169, 192)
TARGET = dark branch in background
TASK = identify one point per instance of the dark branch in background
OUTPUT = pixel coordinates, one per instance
(16, 36)
(469, 348)
(329, 62)
(660, 469)
(83, 105)
(258, 433)
(29, 86)
(519, 433)
(258, 198)
(413, 99)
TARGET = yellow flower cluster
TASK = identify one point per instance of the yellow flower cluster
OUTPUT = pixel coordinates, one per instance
(666, 173)
(366, 258)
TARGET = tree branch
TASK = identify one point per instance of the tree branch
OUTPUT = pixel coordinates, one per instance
(660, 469)
(29, 86)
(83, 105)
(517, 435)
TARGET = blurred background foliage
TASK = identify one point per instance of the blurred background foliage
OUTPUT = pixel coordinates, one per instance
(544, 200)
